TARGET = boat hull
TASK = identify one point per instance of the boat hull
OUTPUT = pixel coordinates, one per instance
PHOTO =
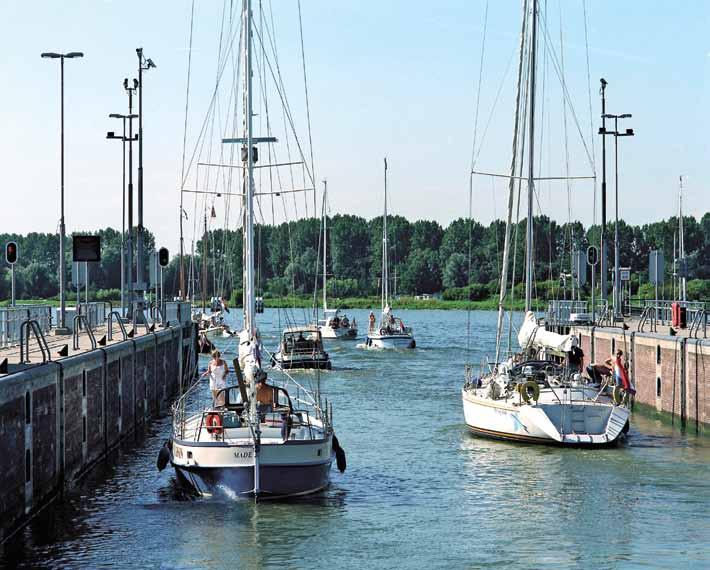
(402, 341)
(546, 423)
(275, 481)
(338, 334)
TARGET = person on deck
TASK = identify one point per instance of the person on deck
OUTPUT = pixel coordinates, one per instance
(264, 396)
(372, 321)
(217, 370)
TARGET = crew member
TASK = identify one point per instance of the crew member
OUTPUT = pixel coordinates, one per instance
(217, 370)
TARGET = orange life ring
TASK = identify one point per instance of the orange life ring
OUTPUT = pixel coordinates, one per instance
(214, 423)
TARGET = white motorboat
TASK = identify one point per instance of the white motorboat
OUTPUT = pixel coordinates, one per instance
(334, 324)
(538, 395)
(276, 440)
(391, 332)
(301, 347)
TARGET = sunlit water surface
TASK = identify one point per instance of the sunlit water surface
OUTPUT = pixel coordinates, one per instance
(419, 491)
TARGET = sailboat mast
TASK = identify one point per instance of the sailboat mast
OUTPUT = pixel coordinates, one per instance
(531, 166)
(249, 282)
(511, 188)
(325, 243)
(385, 272)
(204, 267)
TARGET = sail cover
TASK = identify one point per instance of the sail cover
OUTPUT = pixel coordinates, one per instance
(542, 338)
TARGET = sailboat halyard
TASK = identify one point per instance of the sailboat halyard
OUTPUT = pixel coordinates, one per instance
(334, 324)
(535, 396)
(390, 332)
(249, 441)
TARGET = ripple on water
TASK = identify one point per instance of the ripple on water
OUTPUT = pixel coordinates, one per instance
(419, 491)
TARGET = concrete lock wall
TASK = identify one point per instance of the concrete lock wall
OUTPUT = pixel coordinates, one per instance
(671, 373)
(58, 419)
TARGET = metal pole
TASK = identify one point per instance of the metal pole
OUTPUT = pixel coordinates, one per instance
(12, 269)
(603, 226)
(123, 224)
(594, 309)
(129, 236)
(617, 288)
(140, 236)
(62, 230)
(86, 283)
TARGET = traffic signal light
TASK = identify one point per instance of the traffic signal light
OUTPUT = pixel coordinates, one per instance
(11, 252)
(163, 257)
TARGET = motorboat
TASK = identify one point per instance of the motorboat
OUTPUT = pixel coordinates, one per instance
(301, 347)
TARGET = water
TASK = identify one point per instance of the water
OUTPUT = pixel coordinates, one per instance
(419, 492)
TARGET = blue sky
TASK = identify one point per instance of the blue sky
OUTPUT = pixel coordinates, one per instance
(397, 77)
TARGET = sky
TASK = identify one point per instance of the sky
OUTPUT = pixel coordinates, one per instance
(395, 78)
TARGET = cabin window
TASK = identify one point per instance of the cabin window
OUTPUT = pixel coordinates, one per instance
(658, 387)
(658, 354)
(28, 408)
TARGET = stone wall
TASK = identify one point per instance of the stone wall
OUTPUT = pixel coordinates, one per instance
(671, 373)
(58, 419)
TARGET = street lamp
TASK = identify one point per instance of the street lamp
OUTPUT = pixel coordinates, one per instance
(616, 134)
(144, 64)
(62, 329)
(123, 139)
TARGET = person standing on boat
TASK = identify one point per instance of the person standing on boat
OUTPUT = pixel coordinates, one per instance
(217, 370)
(372, 321)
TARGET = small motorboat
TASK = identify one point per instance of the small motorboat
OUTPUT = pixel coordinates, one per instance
(301, 347)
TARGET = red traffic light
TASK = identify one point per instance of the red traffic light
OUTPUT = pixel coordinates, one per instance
(11, 252)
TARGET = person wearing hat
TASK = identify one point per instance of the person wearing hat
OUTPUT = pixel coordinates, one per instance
(217, 370)
(264, 396)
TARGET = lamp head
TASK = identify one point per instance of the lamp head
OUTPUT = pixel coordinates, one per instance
(629, 132)
(149, 63)
(116, 116)
(73, 54)
(625, 116)
(51, 55)
(135, 83)
(125, 83)
(110, 135)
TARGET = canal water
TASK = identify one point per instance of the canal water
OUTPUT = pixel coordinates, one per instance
(419, 491)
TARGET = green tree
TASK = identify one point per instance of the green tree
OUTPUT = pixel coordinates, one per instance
(456, 271)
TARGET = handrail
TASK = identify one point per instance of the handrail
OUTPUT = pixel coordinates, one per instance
(109, 321)
(25, 340)
(75, 335)
(699, 320)
(138, 309)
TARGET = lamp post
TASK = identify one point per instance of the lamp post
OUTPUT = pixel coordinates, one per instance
(62, 329)
(129, 236)
(603, 269)
(616, 134)
(123, 139)
(144, 64)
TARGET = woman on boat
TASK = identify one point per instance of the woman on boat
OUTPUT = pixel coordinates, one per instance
(217, 370)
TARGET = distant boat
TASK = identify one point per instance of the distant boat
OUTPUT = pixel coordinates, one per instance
(301, 347)
(539, 395)
(390, 331)
(334, 324)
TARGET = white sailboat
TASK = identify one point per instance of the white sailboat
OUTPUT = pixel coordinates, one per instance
(334, 324)
(539, 394)
(390, 331)
(283, 444)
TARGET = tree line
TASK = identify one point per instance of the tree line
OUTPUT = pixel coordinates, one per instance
(424, 256)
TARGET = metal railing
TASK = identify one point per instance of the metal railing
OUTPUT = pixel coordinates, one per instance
(109, 325)
(560, 311)
(95, 312)
(78, 319)
(25, 328)
(11, 319)
(177, 312)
